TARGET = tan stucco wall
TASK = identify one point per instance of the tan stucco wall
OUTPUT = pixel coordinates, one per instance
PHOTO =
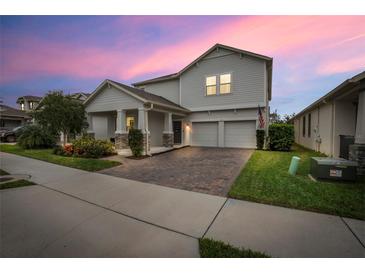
(332, 119)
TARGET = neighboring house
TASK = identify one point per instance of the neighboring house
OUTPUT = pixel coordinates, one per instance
(211, 102)
(28, 102)
(82, 96)
(11, 117)
(335, 121)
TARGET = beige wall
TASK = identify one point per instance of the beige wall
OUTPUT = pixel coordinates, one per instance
(332, 119)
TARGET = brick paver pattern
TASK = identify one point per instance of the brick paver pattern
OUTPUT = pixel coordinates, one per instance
(206, 170)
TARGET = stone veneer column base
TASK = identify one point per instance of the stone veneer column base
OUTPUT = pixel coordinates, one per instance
(145, 143)
(121, 140)
(357, 153)
(168, 139)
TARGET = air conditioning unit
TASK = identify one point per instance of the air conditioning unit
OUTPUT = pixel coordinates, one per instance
(333, 169)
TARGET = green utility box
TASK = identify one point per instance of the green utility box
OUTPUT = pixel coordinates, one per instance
(333, 169)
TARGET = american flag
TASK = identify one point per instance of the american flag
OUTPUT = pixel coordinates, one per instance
(261, 118)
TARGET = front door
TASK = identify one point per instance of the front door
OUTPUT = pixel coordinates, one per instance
(177, 132)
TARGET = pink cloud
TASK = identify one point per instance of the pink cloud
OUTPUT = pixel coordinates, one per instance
(289, 38)
(324, 44)
(342, 65)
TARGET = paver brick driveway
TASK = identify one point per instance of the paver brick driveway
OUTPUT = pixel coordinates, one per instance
(206, 170)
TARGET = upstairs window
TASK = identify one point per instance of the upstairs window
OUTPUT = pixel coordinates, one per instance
(309, 124)
(30, 105)
(304, 126)
(225, 83)
(22, 106)
(211, 85)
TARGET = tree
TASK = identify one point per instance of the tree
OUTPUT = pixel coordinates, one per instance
(57, 113)
(276, 118)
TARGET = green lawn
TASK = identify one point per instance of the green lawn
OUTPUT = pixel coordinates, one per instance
(265, 179)
(209, 248)
(48, 156)
(18, 183)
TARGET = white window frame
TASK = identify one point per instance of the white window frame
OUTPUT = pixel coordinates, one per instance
(22, 106)
(218, 84)
(230, 83)
(31, 105)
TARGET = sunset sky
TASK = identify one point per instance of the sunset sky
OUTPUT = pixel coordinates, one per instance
(312, 54)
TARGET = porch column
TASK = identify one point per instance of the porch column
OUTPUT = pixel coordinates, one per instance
(357, 150)
(143, 126)
(90, 129)
(121, 119)
(168, 134)
(121, 135)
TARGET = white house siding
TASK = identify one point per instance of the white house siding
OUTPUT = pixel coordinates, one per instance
(156, 127)
(112, 99)
(247, 86)
(167, 89)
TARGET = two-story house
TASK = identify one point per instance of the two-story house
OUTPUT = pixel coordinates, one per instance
(28, 102)
(211, 102)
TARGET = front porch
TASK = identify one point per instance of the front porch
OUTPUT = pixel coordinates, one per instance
(162, 129)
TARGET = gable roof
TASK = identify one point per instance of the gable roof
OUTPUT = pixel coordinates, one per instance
(12, 112)
(176, 75)
(29, 98)
(344, 86)
(139, 94)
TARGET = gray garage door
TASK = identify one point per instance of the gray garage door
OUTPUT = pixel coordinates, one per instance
(240, 134)
(205, 134)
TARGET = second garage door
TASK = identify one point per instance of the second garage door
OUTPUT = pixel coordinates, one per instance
(205, 134)
(240, 134)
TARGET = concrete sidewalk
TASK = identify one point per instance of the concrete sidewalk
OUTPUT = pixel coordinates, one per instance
(76, 213)
(285, 232)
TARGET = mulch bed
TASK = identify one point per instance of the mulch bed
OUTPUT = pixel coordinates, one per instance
(139, 157)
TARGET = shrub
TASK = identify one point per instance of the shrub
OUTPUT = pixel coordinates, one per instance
(58, 150)
(260, 138)
(34, 136)
(281, 137)
(90, 148)
(68, 150)
(135, 141)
